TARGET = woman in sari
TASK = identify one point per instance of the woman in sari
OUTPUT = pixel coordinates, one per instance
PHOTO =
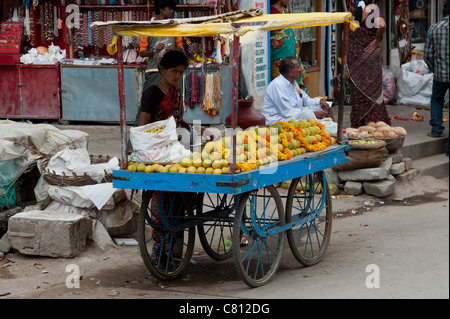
(284, 45)
(365, 66)
(163, 99)
(159, 102)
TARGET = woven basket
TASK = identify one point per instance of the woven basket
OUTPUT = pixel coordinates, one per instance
(75, 180)
(393, 144)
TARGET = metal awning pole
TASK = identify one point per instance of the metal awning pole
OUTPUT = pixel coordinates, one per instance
(342, 82)
(234, 100)
(123, 124)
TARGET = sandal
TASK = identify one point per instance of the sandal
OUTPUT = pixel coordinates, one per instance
(431, 135)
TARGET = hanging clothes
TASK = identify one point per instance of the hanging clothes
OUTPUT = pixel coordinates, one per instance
(212, 96)
(194, 84)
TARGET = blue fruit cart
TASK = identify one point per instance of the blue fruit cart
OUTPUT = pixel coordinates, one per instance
(240, 215)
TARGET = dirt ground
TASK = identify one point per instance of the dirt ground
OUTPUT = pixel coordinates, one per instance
(118, 272)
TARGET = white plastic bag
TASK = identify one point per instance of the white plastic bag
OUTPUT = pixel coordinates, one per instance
(389, 86)
(89, 196)
(172, 153)
(414, 88)
(142, 141)
(330, 125)
(78, 161)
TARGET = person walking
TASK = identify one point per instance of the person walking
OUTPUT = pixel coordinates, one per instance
(436, 56)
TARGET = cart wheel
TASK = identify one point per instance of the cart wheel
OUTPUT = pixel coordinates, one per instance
(309, 206)
(216, 231)
(165, 248)
(258, 251)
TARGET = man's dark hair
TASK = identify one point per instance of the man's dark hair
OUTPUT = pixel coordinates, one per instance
(161, 4)
(173, 59)
(286, 65)
(446, 8)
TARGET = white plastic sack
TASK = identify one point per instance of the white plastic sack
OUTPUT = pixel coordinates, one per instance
(172, 153)
(142, 141)
(89, 196)
(414, 88)
(56, 206)
(43, 138)
(330, 125)
(389, 86)
(78, 162)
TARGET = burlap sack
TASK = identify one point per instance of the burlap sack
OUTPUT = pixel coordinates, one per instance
(364, 156)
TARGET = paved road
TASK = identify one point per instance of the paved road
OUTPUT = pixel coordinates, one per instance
(405, 245)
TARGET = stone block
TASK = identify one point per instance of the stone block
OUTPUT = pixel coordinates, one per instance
(391, 178)
(49, 233)
(365, 174)
(408, 163)
(353, 188)
(387, 164)
(397, 168)
(396, 156)
(5, 246)
(408, 176)
(379, 188)
(332, 177)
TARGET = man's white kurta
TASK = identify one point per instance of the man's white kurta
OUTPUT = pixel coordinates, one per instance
(283, 103)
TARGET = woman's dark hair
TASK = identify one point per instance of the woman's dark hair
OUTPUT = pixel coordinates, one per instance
(286, 65)
(358, 11)
(446, 8)
(173, 59)
(161, 4)
(272, 2)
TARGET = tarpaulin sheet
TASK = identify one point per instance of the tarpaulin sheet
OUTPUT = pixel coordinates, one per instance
(238, 27)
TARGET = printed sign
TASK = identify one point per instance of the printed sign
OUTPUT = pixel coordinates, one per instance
(255, 61)
(332, 59)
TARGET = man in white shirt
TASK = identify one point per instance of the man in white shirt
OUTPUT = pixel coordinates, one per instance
(285, 101)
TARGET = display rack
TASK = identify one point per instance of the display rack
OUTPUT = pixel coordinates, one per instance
(10, 35)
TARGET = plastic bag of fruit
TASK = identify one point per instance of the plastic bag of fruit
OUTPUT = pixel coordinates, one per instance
(154, 135)
(172, 153)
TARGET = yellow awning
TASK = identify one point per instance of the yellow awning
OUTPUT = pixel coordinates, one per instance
(238, 27)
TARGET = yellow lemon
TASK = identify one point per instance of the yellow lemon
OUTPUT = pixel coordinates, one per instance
(191, 169)
(217, 164)
(163, 169)
(149, 169)
(140, 167)
(207, 163)
(173, 169)
(201, 170)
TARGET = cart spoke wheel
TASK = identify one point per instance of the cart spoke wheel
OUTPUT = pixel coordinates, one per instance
(257, 246)
(217, 213)
(165, 248)
(308, 205)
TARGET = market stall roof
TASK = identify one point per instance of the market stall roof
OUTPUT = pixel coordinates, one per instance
(237, 23)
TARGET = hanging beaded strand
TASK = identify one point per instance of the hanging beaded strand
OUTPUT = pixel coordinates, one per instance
(95, 33)
(90, 31)
(101, 40)
(85, 30)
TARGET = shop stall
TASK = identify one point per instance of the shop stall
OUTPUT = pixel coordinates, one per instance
(67, 88)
